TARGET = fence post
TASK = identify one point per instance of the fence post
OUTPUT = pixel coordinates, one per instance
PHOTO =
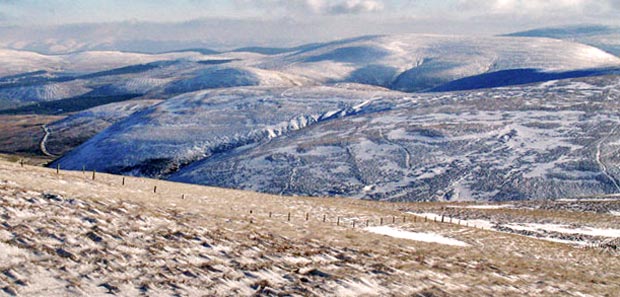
(353, 224)
(270, 214)
(404, 219)
(123, 181)
(183, 197)
(324, 216)
(381, 222)
(154, 189)
(393, 219)
(306, 216)
(442, 217)
(289, 217)
(338, 222)
(94, 171)
(367, 222)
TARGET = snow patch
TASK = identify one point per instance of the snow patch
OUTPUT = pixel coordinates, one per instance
(482, 206)
(565, 229)
(417, 236)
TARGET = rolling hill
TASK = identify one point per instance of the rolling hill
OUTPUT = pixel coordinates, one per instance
(542, 141)
(401, 62)
(606, 38)
(370, 117)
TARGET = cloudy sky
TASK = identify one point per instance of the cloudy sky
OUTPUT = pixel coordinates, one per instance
(285, 22)
(77, 11)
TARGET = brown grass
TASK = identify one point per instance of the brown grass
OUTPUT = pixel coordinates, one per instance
(495, 264)
(20, 134)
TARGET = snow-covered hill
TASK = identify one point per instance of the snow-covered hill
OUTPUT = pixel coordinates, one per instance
(544, 141)
(44, 92)
(75, 129)
(541, 141)
(16, 62)
(402, 62)
(194, 126)
(331, 118)
(423, 62)
(606, 38)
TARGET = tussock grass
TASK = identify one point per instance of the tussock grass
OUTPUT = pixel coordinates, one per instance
(92, 237)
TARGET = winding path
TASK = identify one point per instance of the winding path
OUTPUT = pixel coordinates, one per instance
(44, 140)
(600, 162)
(405, 150)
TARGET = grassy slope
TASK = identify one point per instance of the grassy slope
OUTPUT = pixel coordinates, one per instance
(21, 134)
(155, 242)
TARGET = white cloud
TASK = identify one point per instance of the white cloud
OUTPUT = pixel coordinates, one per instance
(537, 7)
(355, 6)
(319, 7)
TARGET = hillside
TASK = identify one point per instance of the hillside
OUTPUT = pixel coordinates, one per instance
(69, 234)
(606, 38)
(421, 62)
(414, 62)
(530, 142)
(544, 114)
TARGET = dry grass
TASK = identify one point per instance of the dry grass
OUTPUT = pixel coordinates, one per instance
(21, 133)
(155, 242)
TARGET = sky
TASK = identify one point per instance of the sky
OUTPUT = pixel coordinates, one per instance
(55, 12)
(282, 22)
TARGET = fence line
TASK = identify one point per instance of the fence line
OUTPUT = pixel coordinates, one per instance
(307, 215)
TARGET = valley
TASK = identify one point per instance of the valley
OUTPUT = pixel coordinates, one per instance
(412, 117)
(310, 148)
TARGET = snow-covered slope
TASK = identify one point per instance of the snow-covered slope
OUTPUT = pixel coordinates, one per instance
(225, 77)
(401, 62)
(422, 62)
(44, 92)
(606, 38)
(197, 125)
(75, 129)
(328, 112)
(540, 141)
(16, 62)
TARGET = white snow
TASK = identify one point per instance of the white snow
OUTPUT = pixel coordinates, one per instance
(489, 225)
(482, 206)
(15, 62)
(587, 199)
(417, 236)
(565, 229)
